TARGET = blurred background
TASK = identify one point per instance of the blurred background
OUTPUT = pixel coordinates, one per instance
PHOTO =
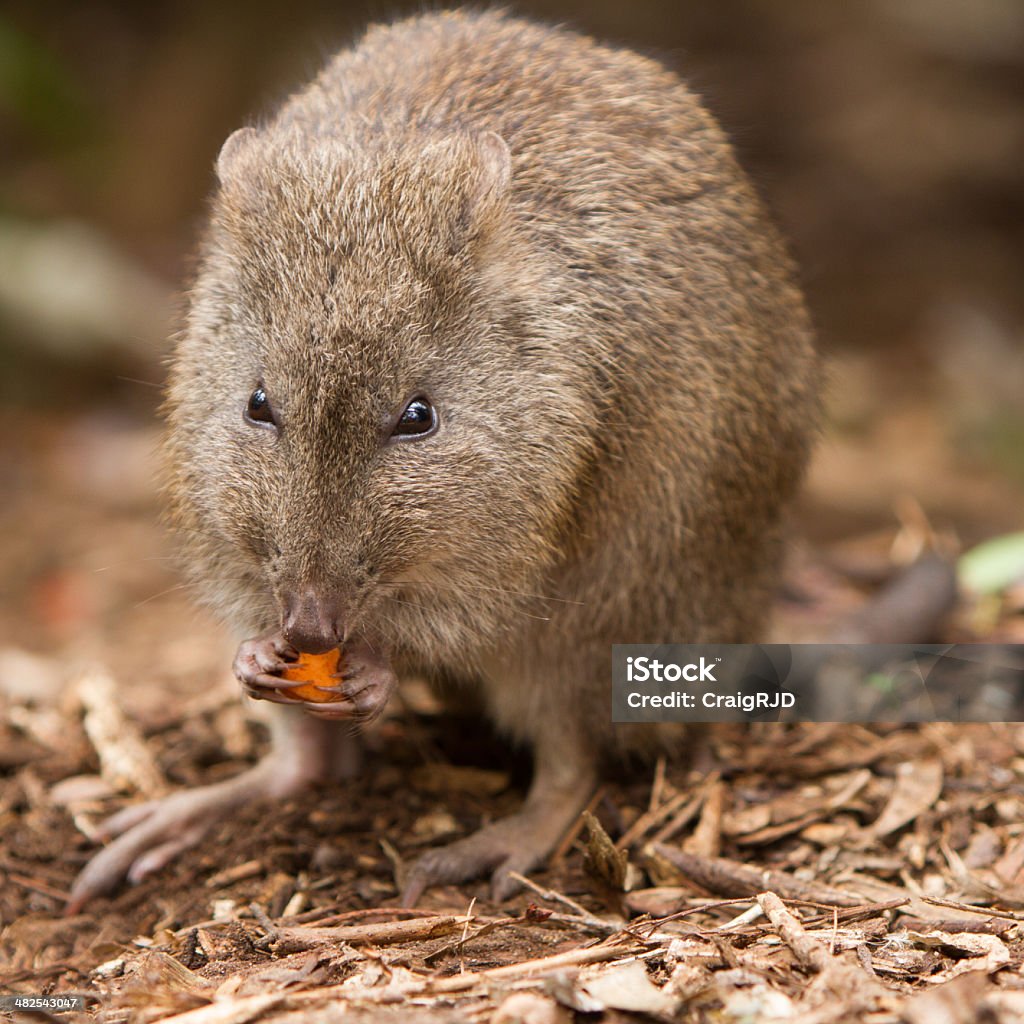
(887, 136)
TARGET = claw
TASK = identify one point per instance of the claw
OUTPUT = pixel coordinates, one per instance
(160, 856)
(499, 849)
(515, 844)
(125, 819)
(272, 696)
(332, 709)
(148, 836)
(414, 889)
(270, 682)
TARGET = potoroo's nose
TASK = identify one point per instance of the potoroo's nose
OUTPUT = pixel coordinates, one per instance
(312, 621)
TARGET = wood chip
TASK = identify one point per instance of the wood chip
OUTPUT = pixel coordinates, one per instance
(706, 840)
(957, 1002)
(601, 858)
(918, 786)
(291, 940)
(231, 1011)
(125, 760)
(235, 873)
(733, 879)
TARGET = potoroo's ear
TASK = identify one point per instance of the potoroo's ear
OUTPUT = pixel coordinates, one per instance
(480, 168)
(487, 180)
(234, 154)
(495, 163)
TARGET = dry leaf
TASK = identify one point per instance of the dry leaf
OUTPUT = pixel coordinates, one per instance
(918, 785)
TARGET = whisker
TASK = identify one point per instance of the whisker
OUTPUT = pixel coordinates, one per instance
(134, 561)
(164, 593)
(497, 590)
(136, 380)
(185, 586)
(519, 611)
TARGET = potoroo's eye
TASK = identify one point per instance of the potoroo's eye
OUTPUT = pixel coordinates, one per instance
(259, 411)
(418, 420)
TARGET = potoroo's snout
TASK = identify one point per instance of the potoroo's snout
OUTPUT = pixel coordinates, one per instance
(313, 620)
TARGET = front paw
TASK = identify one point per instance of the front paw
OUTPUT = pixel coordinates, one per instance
(259, 662)
(365, 684)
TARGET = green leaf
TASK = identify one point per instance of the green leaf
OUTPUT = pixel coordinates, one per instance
(993, 565)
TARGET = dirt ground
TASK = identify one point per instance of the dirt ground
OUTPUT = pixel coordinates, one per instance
(769, 873)
(806, 872)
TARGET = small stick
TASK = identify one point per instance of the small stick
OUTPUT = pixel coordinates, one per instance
(809, 951)
(681, 819)
(465, 928)
(266, 924)
(294, 940)
(235, 873)
(545, 965)
(593, 925)
(956, 924)
(658, 784)
(384, 913)
(40, 887)
(702, 907)
(557, 897)
(748, 916)
(650, 818)
(850, 915)
(323, 916)
(728, 877)
(967, 908)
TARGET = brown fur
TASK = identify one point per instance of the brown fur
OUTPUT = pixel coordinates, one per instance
(622, 364)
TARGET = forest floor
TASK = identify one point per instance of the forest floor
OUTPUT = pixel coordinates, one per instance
(810, 872)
